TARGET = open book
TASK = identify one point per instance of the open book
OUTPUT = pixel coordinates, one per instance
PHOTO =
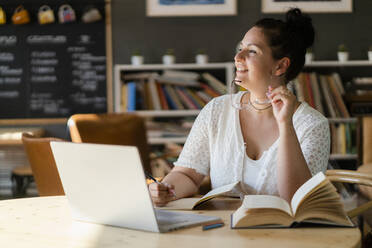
(192, 203)
(316, 202)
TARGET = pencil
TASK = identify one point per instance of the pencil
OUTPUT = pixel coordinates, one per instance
(156, 181)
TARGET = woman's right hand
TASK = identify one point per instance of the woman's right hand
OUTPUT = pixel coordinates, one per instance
(161, 193)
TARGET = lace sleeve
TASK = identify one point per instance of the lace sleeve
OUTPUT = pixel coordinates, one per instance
(316, 147)
(195, 153)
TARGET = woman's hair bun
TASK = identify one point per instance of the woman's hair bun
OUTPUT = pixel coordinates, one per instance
(300, 24)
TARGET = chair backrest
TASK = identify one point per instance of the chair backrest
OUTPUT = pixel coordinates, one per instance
(42, 163)
(114, 129)
(367, 140)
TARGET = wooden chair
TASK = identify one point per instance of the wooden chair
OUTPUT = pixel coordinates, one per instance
(21, 176)
(43, 166)
(116, 129)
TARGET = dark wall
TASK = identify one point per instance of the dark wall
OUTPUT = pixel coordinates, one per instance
(219, 35)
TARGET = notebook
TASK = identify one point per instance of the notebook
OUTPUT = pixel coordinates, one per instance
(106, 184)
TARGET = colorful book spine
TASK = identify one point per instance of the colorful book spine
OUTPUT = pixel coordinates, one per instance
(131, 86)
(163, 100)
(124, 97)
(171, 103)
(309, 90)
(338, 98)
(210, 91)
(206, 98)
(154, 94)
(185, 99)
(316, 91)
(216, 84)
(173, 95)
(196, 98)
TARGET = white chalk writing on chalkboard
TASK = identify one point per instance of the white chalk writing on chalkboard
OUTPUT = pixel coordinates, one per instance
(6, 71)
(8, 40)
(9, 94)
(46, 39)
(44, 79)
(76, 49)
(43, 54)
(6, 57)
(10, 81)
(43, 70)
(44, 61)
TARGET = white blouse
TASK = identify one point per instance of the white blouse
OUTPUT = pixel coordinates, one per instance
(215, 146)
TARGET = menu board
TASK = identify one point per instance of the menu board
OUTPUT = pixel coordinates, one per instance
(53, 70)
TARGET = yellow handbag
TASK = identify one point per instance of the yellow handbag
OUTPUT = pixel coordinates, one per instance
(45, 15)
(20, 16)
(2, 16)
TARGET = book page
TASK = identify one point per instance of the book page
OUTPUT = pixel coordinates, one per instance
(181, 204)
(305, 189)
(218, 191)
(266, 201)
(190, 203)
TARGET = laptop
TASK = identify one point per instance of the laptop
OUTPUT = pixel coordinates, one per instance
(106, 184)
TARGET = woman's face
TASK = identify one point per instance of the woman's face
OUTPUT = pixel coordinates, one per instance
(254, 62)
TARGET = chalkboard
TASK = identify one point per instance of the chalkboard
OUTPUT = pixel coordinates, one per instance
(53, 70)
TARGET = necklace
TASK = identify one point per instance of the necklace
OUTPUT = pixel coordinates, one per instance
(259, 110)
(264, 102)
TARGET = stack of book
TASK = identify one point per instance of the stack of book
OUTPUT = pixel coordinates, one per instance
(172, 90)
(360, 98)
(325, 93)
(343, 137)
(322, 92)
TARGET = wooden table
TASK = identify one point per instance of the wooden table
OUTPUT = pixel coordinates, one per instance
(46, 222)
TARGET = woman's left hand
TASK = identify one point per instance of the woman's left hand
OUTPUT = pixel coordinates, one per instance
(284, 104)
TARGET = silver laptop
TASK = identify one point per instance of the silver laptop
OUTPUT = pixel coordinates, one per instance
(106, 184)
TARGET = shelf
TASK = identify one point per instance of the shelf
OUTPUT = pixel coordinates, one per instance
(174, 66)
(342, 120)
(337, 63)
(160, 141)
(343, 156)
(166, 113)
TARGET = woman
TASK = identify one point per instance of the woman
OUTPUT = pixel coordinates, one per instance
(271, 142)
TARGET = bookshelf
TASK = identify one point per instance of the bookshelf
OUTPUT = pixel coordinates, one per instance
(347, 70)
(336, 63)
(227, 70)
(223, 71)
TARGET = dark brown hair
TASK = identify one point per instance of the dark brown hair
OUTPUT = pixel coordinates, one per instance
(289, 38)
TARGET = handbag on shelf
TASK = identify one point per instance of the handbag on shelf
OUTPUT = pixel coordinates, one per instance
(66, 14)
(45, 15)
(2, 16)
(91, 14)
(20, 16)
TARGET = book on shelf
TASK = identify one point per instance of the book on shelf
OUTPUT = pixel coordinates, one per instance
(186, 75)
(131, 95)
(173, 95)
(163, 100)
(154, 94)
(316, 93)
(216, 84)
(337, 97)
(124, 100)
(177, 81)
(343, 138)
(185, 99)
(315, 202)
(322, 92)
(172, 90)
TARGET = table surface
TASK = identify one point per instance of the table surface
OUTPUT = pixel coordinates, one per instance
(46, 222)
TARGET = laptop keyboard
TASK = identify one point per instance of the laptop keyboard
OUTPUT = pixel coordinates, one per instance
(169, 218)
